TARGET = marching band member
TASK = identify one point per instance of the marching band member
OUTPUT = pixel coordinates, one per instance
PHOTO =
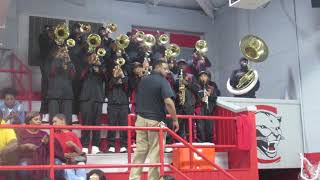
(187, 89)
(91, 98)
(76, 55)
(118, 106)
(236, 76)
(60, 94)
(46, 43)
(208, 95)
(200, 62)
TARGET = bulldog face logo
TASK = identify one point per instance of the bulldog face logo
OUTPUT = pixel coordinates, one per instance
(269, 134)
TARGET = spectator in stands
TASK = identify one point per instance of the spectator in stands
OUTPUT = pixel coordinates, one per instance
(71, 146)
(12, 110)
(29, 140)
(96, 174)
(167, 177)
(8, 146)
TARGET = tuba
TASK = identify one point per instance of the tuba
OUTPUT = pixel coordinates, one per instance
(163, 39)
(253, 49)
(94, 41)
(61, 33)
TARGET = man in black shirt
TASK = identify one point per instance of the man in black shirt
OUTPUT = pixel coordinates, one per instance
(153, 99)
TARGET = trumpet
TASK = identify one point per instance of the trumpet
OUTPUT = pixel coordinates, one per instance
(201, 47)
(94, 41)
(71, 43)
(85, 28)
(139, 36)
(101, 52)
(111, 27)
(163, 39)
(61, 33)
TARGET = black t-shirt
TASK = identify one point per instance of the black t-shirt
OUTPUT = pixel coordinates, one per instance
(151, 92)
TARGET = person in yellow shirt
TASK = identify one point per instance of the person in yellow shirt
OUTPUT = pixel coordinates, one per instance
(8, 146)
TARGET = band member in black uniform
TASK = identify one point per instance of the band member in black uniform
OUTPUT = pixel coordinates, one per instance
(207, 101)
(200, 62)
(187, 89)
(118, 106)
(77, 54)
(236, 76)
(60, 94)
(91, 98)
(137, 74)
(46, 44)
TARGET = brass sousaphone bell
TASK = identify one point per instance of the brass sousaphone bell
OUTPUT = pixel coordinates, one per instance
(254, 49)
(61, 33)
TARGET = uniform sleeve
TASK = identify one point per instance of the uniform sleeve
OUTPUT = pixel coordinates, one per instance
(166, 90)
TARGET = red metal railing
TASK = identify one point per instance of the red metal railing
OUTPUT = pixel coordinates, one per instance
(19, 71)
(129, 128)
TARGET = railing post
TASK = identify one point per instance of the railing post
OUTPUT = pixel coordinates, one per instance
(51, 152)
(190, 139)
(161, 146)
(129, 140)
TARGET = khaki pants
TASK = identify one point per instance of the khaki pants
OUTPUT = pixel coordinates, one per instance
(147, 145)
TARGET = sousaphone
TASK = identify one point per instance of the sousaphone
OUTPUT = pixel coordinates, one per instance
(254, 49)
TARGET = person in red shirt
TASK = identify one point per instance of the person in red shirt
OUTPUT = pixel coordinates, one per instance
(69, 141)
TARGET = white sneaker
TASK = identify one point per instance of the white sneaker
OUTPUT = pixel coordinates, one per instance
(123, 149)
(86, 150)
(75, 119)
(168, 150)
(112, 149)
(45, 118)
(95, 150)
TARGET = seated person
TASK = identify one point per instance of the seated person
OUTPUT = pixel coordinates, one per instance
(96, 174)
(8, 147)
(71, 147)
(28, 142)
(12, 110)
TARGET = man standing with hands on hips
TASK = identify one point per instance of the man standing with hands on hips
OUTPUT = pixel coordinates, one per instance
(154, 97)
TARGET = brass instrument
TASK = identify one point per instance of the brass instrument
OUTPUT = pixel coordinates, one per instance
(95, 60)
(120, 61)
(139, 36)
(149, 40)
(182, 89)
(163, 39)
(71, 43)
(85, 28)
(122, 41)
(111, 27)
(253, 49)
(101, 52)
(201, 47)
(61, 33)
(172, 50)
(94, 41)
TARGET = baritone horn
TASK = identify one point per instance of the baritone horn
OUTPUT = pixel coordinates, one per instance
(149, 40)
(254, 49)
(111, 27)
(94, 41)
(163, 39)
(61, 33)
(122, 41)
(201, 47)
(85, 28)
